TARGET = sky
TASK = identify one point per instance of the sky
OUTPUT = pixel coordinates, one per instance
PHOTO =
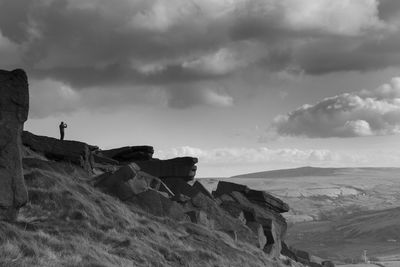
(244, 85)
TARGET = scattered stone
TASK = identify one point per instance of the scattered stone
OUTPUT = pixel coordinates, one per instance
(14, 107)
(75, 152)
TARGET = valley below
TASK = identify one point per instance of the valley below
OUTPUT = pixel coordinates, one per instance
(337, 213)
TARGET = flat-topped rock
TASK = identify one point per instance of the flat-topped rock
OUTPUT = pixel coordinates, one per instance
(14, 107)
(258, 197)
(129, 153)
(78, 153)
(183, 168)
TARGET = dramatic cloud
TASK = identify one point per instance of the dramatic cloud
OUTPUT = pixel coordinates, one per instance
(145, 43)
(362, 113)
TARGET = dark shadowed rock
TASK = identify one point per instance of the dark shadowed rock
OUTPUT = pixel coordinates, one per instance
(264, 199)
(258, 229)
(183, 168)
(14, 106)
(75, 152)
(153, 202)
(228, 187)
(274, 225)
(287, 251)
(200, 187)
(223, 221)
(314, 264)
(328, 264)
(261, 198)
(200, 217)
(129, 153)
(180, 187)
(127, 181)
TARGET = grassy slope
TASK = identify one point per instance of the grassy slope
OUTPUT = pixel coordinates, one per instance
(378, 232)
(69, 223)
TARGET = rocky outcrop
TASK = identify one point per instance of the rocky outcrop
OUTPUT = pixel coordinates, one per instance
(129, 153)
(258, 197)
(14, 106)
(257, 207)
(129, 181)
(183, 168)
(74, 152)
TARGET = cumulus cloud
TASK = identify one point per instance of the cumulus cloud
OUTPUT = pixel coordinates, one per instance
(362, 113)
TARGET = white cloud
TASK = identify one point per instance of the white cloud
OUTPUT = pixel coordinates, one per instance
(362, 113)
(241, 155)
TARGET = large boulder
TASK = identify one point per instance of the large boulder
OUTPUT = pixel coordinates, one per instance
(258, 197)
(75, 152)
(183, 168)
(129, 153)
(155, 203)
(128, 181)
(273, 224)
(14, 107)
(223, 221)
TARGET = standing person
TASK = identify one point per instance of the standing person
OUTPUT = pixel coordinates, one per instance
(62, 127)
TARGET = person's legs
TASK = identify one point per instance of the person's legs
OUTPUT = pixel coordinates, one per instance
(61, 135)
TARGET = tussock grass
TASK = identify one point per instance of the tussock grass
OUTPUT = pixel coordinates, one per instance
(67, 222)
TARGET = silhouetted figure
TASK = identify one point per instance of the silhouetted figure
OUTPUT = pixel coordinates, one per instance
(62, 127)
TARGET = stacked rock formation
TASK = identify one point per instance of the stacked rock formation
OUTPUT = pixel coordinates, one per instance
(14, 106)
(259, 210)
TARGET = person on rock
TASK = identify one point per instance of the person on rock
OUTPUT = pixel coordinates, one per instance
(62, 127)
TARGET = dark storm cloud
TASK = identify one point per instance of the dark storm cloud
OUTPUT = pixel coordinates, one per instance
(99, 43)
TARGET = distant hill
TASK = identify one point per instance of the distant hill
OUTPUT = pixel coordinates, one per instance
(303, 171)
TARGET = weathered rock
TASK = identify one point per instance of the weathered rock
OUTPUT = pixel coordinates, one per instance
(129, 153)
(259, 231)
(78, 153)
(183, 168)
(127, 181)
(287, 251)
(261, 198)
(228, 187)
(153, 202)
(274, 225)
(328, 264)
(14, 106)
(200, 217)
(302, 256)
(100, 159)
(223, 221)
(200, 188)
(234, 210)
(179, 186)
(314, 264)
(264, 199)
